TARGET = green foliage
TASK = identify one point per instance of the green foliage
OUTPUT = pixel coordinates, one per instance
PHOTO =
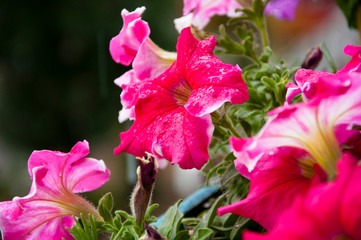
(86, 229)
(266, 76)
(171, 222)
(120, 226)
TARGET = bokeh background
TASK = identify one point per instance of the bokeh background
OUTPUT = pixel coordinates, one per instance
(56, 81)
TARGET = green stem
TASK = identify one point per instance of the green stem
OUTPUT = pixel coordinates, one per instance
(262, 27)
(226, 122)
(231, 127)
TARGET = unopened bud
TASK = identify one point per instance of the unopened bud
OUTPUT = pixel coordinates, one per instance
(313, 58)
(152, 234)
(147, 170)
(147, 173)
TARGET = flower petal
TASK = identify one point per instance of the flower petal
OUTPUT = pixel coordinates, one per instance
(327, 211)
(124, 47)
(162, 124)
(275, 182)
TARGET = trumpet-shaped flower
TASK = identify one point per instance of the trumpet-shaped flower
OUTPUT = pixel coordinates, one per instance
(124, 47)
(318, 126)
(328, 211)
(47, 210)
(279, 177)
(133, 43)
(308, 81)
(172, 111)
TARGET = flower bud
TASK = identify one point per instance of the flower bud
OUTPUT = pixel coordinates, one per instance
(147, 172)
(152, 234)
(313, 58)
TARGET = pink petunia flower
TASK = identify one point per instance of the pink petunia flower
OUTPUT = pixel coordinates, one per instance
(172, 111)
(319, 126)
(47, 210)
(124, 47)
(279, 177)
(133, 43)
(328, 211)
(308, 81)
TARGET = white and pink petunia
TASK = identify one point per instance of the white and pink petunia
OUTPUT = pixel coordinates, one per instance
(172, 111)
(133, 45)
(47, 210)
(281, 175)
(329, 210)
(308, 81)
(319, 126)
(124, 47)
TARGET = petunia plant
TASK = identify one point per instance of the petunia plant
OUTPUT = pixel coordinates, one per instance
(279, 146)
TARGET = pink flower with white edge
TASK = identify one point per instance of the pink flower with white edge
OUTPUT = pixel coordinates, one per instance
(319, 126)
(47, 210)
(199, 12)
(146, 65)
(124, 47)
(279, 177)
(133, 43)
(172, 111)
(307, 81)
(328, 211)
(129, 84)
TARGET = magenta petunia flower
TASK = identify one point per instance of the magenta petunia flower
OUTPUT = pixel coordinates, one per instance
(172, 111)
(47, 210)
(133, 43)
(318, 126)
(282, 9)
(307, 81)
(124, 47)
(328, 211)
(129, 84)
(279, 176)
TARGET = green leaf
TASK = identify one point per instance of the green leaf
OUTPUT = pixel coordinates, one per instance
(269, 82)
(123, 214)
(203, 234)
(105, 213)
(171, 222)
(212, 212)
(236, 232)
(182, 235)
(254, 96)
(107, 201)
(117, 222)
(105, 207)
(149, 211)
(86, 230)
